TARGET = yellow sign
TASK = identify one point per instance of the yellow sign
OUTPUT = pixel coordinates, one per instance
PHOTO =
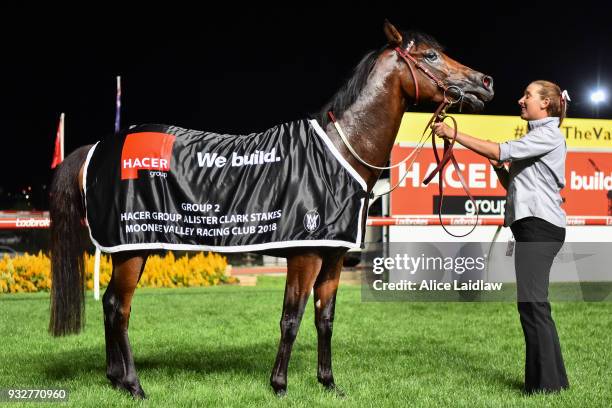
(580, 134)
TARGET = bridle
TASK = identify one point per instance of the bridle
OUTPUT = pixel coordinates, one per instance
(404, 53)
(438, 116)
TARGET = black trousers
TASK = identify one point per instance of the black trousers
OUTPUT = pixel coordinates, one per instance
(537, 244)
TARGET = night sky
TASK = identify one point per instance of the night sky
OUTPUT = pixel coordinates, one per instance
(247, 69)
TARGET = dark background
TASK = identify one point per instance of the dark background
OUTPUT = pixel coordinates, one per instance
(244, 69)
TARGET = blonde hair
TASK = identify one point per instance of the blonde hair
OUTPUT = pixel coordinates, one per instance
(558, 104)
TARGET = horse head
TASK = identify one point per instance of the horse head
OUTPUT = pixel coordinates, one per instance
(431, 75)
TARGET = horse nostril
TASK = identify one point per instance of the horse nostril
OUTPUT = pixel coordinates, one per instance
(487, 81)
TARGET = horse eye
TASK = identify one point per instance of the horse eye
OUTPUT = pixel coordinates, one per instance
(430, 56)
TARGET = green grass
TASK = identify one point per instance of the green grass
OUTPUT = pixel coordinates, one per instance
(216, 346)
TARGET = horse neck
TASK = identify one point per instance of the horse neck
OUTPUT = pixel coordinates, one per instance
(371, 123)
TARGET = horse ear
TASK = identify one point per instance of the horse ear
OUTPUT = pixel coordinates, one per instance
(393, 36)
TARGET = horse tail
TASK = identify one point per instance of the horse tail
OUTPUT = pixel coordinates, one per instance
(67, 264)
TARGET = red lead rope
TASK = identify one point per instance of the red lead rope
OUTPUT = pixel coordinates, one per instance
(439, 116)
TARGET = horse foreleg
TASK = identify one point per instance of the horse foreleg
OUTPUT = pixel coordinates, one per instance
(325, 289)
(117, 300)
(302, 271)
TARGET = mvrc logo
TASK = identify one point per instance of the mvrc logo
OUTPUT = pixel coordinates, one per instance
(312, 220)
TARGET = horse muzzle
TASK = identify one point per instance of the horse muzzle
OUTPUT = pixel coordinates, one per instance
(477, 92)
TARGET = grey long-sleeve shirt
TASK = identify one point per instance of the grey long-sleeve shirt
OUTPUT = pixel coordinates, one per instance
(537, 173)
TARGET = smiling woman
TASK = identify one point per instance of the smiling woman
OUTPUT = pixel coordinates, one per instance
(533, 212)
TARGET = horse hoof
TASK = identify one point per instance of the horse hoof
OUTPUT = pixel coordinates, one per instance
(279, 390)
(337, 391)
(135, 390)
(138, 394)
(279, 385)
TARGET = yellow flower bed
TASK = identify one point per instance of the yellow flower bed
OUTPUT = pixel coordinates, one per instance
(31, 273)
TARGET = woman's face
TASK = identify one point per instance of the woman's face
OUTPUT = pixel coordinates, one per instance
(533, 107)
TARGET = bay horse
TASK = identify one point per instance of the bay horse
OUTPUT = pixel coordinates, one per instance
(411, 67)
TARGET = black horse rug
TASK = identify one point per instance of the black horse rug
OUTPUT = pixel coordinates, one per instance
(164, 187)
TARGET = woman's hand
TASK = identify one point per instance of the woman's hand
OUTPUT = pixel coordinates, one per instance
(443, 130)
(482, 147)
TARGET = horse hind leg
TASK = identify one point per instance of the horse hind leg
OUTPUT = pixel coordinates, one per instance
(302, 271)
(120, 368)
(325, 289)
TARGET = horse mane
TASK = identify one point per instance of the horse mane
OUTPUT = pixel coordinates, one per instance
(349, 92)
